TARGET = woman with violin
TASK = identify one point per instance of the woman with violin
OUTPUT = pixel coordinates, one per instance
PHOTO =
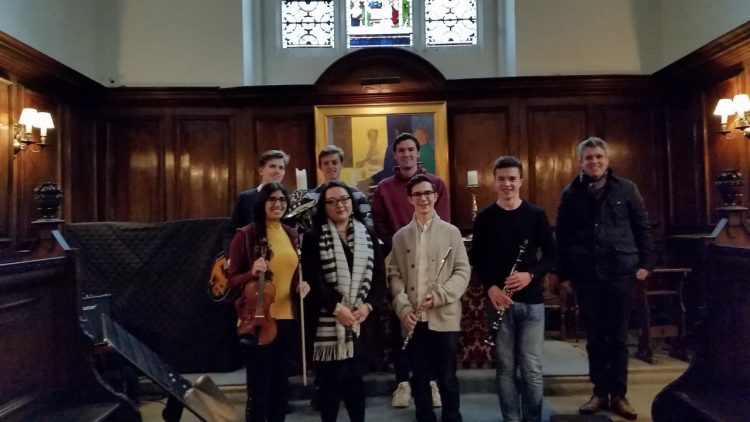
(344, 264)
(262, 267)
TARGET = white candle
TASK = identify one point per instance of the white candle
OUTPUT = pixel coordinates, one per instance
(472, 178)
(301, 178)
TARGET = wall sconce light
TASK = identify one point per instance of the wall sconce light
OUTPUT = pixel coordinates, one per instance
(22, 139)
(740, 104)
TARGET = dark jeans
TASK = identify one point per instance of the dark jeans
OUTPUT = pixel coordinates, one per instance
(399, 358)
(268, 369)
(340, 380)
(434, 351)
(605, 307)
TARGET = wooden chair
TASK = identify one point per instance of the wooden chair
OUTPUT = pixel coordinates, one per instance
(663, 290)
(562, 300)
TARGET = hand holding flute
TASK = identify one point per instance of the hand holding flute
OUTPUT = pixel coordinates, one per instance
(411, 319)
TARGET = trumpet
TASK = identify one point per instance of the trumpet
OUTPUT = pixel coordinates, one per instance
(495, 326)
(421, 308)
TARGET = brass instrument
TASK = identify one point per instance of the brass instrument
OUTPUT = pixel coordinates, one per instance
(421, 309)
(495, 326)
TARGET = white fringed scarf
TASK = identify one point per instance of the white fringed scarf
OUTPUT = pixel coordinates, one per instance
(333, 341)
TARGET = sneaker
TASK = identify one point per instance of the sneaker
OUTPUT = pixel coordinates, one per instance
(436, 401)
(402, 395)
(621, 406)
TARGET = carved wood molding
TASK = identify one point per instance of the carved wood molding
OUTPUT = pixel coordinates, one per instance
(634, 86)
(37, 71)
(718, 60)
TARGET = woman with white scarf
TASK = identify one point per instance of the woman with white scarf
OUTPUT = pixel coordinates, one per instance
(343, 264)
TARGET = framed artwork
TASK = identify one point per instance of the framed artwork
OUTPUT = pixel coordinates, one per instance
(366, 134)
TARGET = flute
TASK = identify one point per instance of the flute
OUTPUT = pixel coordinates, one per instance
(421, 309)
(501, 312)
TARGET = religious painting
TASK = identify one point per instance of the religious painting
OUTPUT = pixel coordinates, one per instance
(366, 134)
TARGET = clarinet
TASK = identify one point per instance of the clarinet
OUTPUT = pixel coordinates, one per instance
(495, 326)
(420, 308)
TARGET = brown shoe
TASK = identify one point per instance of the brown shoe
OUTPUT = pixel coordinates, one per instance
(595, 404)
(622, 407)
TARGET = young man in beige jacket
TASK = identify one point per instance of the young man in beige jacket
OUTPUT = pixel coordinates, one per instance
(428, 273)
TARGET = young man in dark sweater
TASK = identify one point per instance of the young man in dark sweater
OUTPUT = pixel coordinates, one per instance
(500, 231)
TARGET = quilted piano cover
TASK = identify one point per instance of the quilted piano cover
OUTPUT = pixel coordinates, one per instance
(157, 274)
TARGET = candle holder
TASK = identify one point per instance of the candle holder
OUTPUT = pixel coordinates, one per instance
(473, 190)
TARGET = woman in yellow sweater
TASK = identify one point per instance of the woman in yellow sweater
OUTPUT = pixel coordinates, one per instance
(268, 365)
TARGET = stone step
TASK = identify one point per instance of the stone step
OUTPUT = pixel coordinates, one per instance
(472, 381)
(565, 367)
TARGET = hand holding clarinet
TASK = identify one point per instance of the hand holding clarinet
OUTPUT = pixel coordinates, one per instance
(512, 283)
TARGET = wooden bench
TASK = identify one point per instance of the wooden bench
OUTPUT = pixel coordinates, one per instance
(47, 374)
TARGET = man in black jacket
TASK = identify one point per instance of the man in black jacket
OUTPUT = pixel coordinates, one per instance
(605, 245)
(271, 169)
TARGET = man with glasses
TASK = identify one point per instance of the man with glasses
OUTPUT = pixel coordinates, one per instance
(500, 231)
(391, 211)
(330, 162)
(271, 169)
(428, 272)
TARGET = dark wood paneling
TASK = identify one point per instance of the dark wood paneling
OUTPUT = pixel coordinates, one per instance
(6, 164)
(294, 135)
(31, 68)
(202, 155)
(79, 165)
(477, 139)
(684, 166)
(133, 170)
(635, 154)
(34, 168)
(723, 152)
(551, 136)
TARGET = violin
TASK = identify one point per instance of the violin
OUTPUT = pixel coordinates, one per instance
(257, 326)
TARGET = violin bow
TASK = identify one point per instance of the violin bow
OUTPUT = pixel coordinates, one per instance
(301, 312)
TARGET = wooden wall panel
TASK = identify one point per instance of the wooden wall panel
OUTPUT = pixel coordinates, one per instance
(295, 135)
(34, 168)
(203, 161)
(79, 165)
(684, 165)
(134, 170)
(477, 138)
(635, 154)
(723, 152)
(7, 164)
(552, 134)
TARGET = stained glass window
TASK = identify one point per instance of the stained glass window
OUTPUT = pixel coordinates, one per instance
(450, 22)
(307, 23)
(378, 23)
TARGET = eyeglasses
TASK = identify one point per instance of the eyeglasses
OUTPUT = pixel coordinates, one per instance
(426, 194)
(336, 201)
(276, 199)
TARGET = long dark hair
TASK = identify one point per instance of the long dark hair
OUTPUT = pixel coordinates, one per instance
(321, 217)
(259, 217)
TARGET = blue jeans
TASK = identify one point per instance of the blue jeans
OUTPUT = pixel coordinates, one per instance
(518, 348)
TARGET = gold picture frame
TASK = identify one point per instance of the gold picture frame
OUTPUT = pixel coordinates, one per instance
(366, 134)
